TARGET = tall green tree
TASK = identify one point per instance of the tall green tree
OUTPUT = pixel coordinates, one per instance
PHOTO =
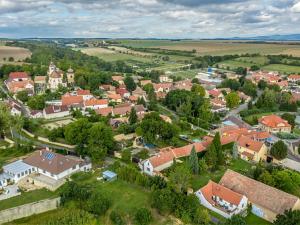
(279, 150)
(235, 220)
(211, 157)
(232, 100)
(78, 132)
(219, 150)
(133, 118)
(288, 218)
(193, 161)
(198, 89)
(130, 84)
(180, 178)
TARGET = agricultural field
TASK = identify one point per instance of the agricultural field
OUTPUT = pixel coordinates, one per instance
(282, 68)
(217, 47)
(19, 54)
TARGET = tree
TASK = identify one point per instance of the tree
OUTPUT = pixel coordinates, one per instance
(78, 132)
(288, 218)
(235, 220)
(100, 135)
(143, 216)
(202, 166)
(180, 178)
(211, 157)
(290, 118)
(279, 150)
(249, 88)
(198, 89)
(254, 68)
(23, 96)
(232, 100)
(193, 161)
(218, 147)
(201, 217)
(37, 102)
(133, 118)
(126, 155)
(163, 200)
(262, 84)
(130, 84)
(267, 178)
(98, 204)
(116, 218)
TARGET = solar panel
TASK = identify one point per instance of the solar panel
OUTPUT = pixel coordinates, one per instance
(49, 155)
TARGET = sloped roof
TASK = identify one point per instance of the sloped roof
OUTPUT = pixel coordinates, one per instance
(274, 121)
(213, 189)
(94, 101)
(18, 75)
(71, 99)
(51, 162)
(259, 193)
(83, 92)
(250, 144)
(104, 111)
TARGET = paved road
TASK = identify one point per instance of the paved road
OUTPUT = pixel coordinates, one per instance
(38, 143)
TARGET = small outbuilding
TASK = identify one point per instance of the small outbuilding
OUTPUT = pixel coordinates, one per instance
(109, 175)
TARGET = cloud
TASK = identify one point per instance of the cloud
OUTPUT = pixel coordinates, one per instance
(296, 8)
(148, 18)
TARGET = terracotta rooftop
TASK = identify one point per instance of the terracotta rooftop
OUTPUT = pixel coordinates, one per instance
(273, 121)
(259, 193)
(294, 77)
(104, 111)
(40, 79)
(248, 143)
(83, 92)
(214, 189)
(114, 96)
(94, 101)
(18, 75)
(56, 109)
(69, 100)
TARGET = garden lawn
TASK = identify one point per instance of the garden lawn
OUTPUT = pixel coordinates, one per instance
(202, 179)
(27, 197)
(252, 118)
(282, 68)
(251, 219)
(9, 154)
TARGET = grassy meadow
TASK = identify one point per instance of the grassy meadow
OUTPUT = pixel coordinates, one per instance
(19, 54)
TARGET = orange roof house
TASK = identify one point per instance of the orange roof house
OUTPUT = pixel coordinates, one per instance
(221, 199)
(266, 201)
(18, 76)
(104, 111)
(16, 86)
(294, 78)
(96, 103)
(248, 149)
(165, 158)
(145, 82)
(71, 100)
(274, 124)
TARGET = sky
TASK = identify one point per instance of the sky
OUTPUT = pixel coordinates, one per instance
(148, 18)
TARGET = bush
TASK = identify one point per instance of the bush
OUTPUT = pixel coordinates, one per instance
(143, 216)
(116, 218)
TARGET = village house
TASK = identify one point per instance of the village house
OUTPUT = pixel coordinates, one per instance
(165, 158)
(54, 165)
(123, 92)
(69, 100)
(162, 87)
(249, 149)
(145, 82)
(85, 94)
(274, 124)
(55, 111)
(107, 87)
(119, 79)
(216, 93)
(244, 97)
(15, 108)
(17, 170)
(104, 111)
(221, 199)
(19, 81)
(165, 79)
(295, 78)
(183, 85)
(40, 84)
(115, 98)
(266, 202)
(95, 103)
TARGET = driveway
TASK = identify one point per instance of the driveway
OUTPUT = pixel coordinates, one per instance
(291, 164)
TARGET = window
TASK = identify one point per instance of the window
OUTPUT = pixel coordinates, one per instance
(22, 174)
(44, 171)
(18, 175)
(33, 169)
(74, 167)
(26, 172)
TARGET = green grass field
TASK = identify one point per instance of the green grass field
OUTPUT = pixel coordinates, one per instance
(282, 68)
(7, 155)
(27, 197)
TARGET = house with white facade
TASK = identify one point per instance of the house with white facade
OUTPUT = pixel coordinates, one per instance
(55, 111)
(222, 200)
(54, 165)
(17, 170)
(95, 103)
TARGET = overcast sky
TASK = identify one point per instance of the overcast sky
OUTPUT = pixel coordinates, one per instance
(148, 18)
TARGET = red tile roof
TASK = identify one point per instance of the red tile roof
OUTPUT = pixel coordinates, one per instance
(214, 189)
(294, 77)
(69, 100)
(250, 144)
(94, 101)
(83, 92)
(104, 111)
(18, 75)
(114, 96)
(273, 121)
